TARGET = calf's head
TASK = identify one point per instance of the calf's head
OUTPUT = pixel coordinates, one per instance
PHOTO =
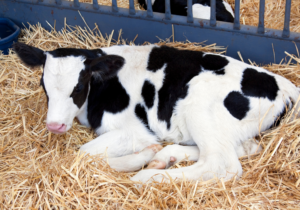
(66, 78)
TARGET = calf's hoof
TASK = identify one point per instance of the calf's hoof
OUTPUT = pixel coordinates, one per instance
(159, 164)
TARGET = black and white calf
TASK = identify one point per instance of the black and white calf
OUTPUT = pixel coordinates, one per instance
(201, 8)
(134, 97)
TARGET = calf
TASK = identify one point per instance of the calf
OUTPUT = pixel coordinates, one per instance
(201, 8)
(135, 97)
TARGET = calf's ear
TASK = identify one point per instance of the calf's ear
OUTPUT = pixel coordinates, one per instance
(31, 56)
(105, 67)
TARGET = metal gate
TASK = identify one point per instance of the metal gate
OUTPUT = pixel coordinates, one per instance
(258, 44)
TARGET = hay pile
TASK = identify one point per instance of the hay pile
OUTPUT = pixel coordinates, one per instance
(274, 12)
(40, 170)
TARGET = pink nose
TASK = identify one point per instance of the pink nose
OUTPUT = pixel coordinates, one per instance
(57, 128)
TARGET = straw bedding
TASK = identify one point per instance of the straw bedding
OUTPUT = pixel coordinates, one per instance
(40, 170)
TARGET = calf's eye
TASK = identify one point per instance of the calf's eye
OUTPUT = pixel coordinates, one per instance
(78, 88)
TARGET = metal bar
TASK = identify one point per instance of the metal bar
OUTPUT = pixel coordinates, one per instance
(149, 9)
(76, 3)
(261, 23)
(115, 6)
(190, 18)
(5, 11)
(131, 7)
(286, 28)
(237, 24)
(58, 2)
(95, 4)
(168, 10)
(213, 21)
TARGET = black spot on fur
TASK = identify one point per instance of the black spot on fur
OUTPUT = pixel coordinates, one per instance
(44, 88)
(213, 62)
(109, 96)
(179, 7)
(181, 67)
(63, 52)
(237, 104)
(148, 93)
(220, 72)
(259, 84)
(80, 91)
(142, 115)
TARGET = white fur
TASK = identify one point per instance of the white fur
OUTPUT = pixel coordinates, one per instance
(228, 8)
(201, 11)
(199, 119)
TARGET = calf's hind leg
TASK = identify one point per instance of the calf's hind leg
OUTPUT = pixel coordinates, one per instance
(173, 154)
(214, 161)
(217, 158)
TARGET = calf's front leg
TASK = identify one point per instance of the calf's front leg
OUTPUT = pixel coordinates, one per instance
(136, 161)
(122, 151)
(173, 154)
